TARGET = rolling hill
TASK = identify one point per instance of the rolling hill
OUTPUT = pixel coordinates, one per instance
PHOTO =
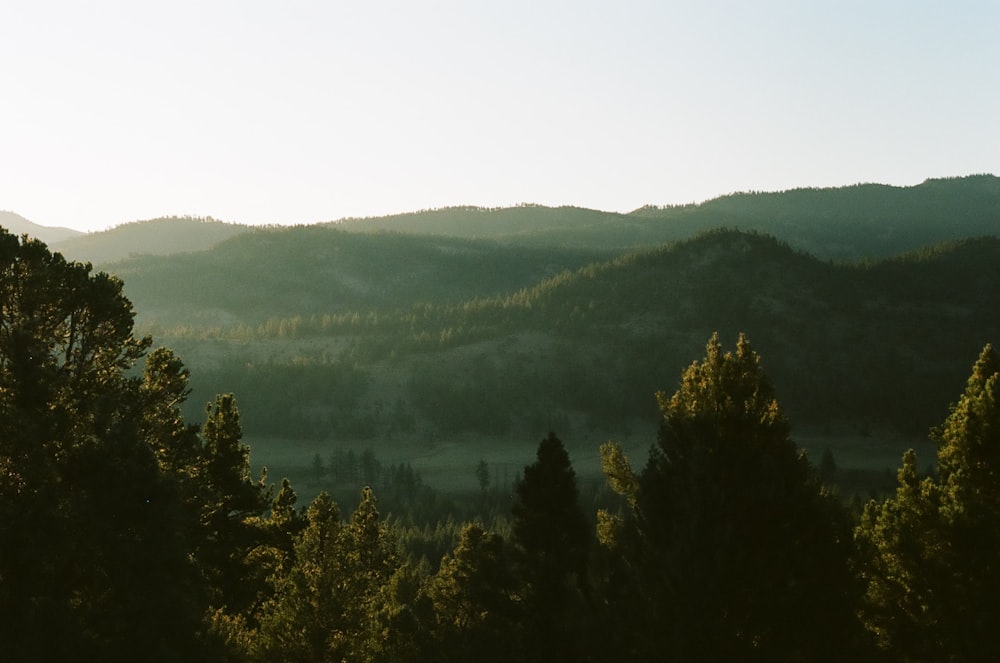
(450, 327)
(163, 236)
(844, 223)
(19, 225)
(875, 350)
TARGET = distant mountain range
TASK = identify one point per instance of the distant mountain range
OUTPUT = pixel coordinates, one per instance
(844, 223)
(841, 224)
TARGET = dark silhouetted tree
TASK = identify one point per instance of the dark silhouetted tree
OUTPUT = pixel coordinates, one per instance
(553, 537)
(736, 552)
(95, 563)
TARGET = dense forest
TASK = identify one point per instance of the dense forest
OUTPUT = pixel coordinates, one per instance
(349, 333)
(387, 439)
(135, 533)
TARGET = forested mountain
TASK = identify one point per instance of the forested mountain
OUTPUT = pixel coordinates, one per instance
(316, 270)
(851, 347)
(143, 533)
(154, 237)
(572, 316)
(845, 223)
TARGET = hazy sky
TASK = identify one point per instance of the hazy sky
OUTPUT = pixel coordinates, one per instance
(299, 112)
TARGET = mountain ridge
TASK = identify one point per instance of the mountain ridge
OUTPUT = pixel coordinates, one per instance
(847, 223)
(18, 225)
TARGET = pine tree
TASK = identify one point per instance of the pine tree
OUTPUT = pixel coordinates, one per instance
(326, 606)
(733, 549)
(307, 607)
(474, 601)
(231, 504)
(94, 565)
(932, 552)
(552, 536)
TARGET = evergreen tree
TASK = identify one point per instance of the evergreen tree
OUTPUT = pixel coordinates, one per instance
(95, 564)
(231, 504)
(552, 536)
(326, 606)
(735, 551)
(475, 602)
(932, 553)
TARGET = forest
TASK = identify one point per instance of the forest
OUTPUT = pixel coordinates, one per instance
(143, 536)
(420, 446)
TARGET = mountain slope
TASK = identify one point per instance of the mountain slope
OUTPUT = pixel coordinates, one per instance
(155, 237)
(19, 225)
(850, 348)
(845, 223)
(322, 270)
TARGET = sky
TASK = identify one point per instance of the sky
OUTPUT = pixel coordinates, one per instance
(308, 111)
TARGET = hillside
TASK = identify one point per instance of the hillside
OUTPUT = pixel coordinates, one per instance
(447, 328)
(860, 350)
(19, 225)
(844, 223)
(317, 270)
(841, 224)
(163, 236)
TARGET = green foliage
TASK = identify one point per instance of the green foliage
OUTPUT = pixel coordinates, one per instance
(577, 346)
(734, 549)
(325, 605)
(475, 603)
(142, 537)
(95, 566)
(930, 553)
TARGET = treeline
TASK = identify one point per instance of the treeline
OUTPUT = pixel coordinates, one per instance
(141, 536)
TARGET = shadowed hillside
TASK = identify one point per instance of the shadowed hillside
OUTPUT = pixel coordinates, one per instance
(856, 349)
(320, 270)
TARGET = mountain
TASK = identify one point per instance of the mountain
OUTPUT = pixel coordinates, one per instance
(445, 328)
(317, 270)
(842, 224)
(853, 349)
(845, 223)
(19, 225)
(162, 236)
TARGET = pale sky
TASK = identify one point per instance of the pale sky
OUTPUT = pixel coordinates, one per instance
(301, 112)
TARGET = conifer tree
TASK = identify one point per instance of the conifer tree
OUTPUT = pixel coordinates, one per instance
(231, 504)
(326, 605)
(733, 548)
(474, 601)
(552, 536)
(94, 564)
(931, 553)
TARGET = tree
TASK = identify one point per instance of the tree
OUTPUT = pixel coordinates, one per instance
(931, 554)
(95, 566)
(474, 601)
(733, 548)
(326, 606)
(552, 536)
(231, 504)
(306, 609)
